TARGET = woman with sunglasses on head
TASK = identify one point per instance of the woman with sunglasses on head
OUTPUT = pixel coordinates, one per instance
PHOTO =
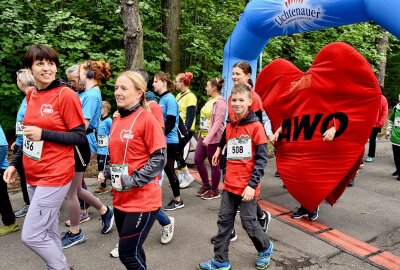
(90, 74)
(25, 81)
(137, 158)
(53, 124)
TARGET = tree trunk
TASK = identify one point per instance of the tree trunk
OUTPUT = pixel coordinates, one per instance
(382, 45)
(133, 34)
(170, 28)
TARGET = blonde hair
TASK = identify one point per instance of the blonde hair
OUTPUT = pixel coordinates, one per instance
(26, 77)
(107, 105)
(138, 81)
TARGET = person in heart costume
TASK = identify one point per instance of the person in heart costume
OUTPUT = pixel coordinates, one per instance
(339, 86)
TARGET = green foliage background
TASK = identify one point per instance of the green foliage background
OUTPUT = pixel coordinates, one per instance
(82, 29)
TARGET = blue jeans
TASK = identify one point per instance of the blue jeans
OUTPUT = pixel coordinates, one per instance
(162, 218)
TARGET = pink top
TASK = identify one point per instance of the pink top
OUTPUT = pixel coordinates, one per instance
(217, 123)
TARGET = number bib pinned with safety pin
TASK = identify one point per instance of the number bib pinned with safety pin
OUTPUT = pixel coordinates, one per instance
(33, 150)
(117, 170)
(102, 140)
(239, 148)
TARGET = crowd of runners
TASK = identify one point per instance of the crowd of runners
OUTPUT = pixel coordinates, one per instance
(62, 124)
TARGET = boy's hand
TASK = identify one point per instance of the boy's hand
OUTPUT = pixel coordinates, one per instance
(248, 194)
(216, 156)
(276, 134)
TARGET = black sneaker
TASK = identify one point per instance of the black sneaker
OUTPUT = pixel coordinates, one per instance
(233, 237)
(301, 212)
(173, 205)
(313, 215)
(265, 221)
(398, 178)
(351, 183)
(396, 173)
(276, 174)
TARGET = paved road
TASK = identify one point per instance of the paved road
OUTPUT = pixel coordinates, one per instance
(369, 211)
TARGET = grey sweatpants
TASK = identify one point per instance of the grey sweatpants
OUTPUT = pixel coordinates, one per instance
(226, 219)
(40, 231)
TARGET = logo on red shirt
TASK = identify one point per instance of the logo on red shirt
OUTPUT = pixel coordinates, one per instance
(126, 134)
(46, 109)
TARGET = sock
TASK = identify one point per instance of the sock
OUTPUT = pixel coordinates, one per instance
(106, 213)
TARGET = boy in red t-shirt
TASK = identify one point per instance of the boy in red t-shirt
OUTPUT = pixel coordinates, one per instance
(246, 160)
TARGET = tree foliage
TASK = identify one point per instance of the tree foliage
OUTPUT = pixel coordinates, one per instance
(81, 29)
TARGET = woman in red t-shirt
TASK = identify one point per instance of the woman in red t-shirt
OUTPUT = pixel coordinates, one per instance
(137, 157)
(53, 124)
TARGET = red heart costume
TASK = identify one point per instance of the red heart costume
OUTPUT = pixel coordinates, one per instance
(339, 85)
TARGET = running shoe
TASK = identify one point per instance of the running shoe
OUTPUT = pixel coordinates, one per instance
(187, 179)
(167, 231)
(69, 239)
(174, 205)
(203, 190)
(101, 190)
(264, 257)
(213, 264)
(313, 215)
(232, 239)
(370, 159)
(7, 229)
(265, 221)
(107, 220)
(114, 253)
(22, 211)
(83, 217)
(211, 195)
(300, 212)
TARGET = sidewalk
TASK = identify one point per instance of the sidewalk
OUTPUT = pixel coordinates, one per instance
(369, 212)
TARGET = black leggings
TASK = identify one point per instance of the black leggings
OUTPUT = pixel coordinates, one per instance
(102, 162)
(372, 142)
(133, 229)
(169, 169)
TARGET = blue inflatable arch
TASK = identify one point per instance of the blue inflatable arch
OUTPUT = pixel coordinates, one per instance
(263, 19)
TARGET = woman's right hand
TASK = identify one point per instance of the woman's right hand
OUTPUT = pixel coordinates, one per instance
(216, 157)
(9, 174)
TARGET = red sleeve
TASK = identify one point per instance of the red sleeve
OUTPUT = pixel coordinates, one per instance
(70, 108)
(153, 134)
(256, 104)
(259, 136)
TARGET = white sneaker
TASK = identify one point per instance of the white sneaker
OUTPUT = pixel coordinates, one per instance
(114, 253)
(167, 231)
(187, 179)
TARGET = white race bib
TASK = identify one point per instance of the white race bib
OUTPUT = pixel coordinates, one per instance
(117, 170)
(397, 121)
(204, 123)
(33, 150)
(102, 140)
(239, 148)
(19, 128)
